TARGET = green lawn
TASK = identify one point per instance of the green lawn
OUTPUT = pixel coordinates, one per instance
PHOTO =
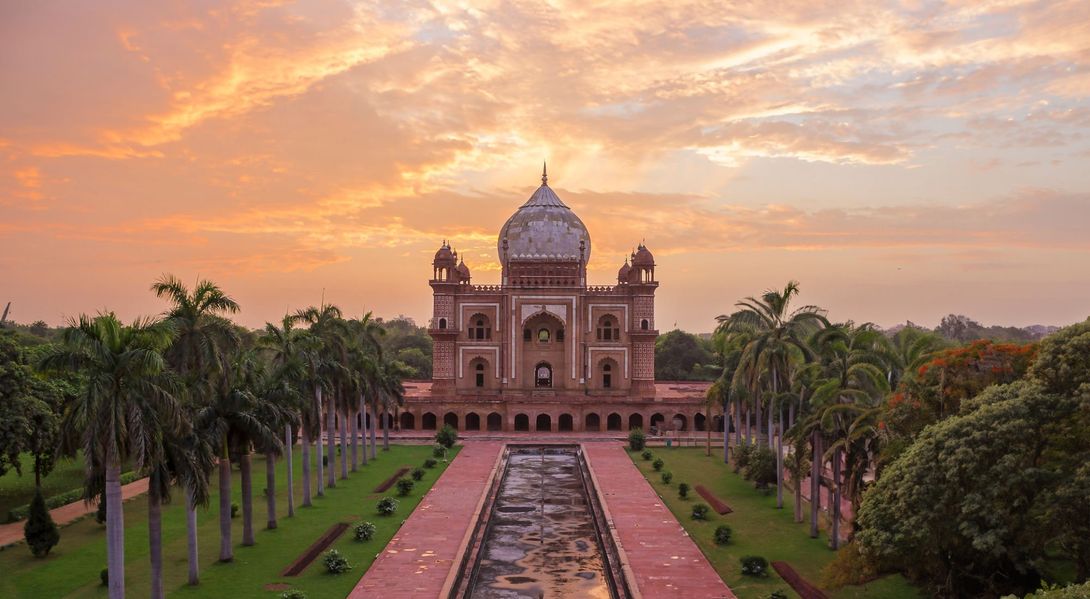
(759, 528)
(72, 569)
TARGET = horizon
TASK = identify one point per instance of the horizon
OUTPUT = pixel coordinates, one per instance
(902, 164)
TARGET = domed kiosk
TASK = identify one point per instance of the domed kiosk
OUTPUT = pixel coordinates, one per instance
(542, 349)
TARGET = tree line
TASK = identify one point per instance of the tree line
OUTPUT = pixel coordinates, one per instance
(965, 464)
(185, 396)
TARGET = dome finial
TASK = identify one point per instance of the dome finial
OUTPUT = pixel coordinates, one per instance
(544, 173)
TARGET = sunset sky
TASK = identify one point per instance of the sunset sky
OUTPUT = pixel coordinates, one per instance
(902, 160)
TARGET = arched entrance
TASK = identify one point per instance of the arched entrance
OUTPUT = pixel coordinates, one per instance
(544, 423)
(635, 421)
(565, 423)
(428, 421)
(473, 422)
(522, 422)
(656, 421)
(408, 421)
(613, 422)
(680, 422)
(450, 419)
(591, 422)
(495, 422)
(543, 375)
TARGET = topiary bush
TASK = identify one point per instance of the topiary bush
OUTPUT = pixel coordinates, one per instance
(293, 594)
(636, 439)
(647, 455)
(40, 531)
(386, 506)
(722, 534)
(104, 576)
(777, 594)
(742, 455)
(761, 468)
(667, 477)
(438, 451)
(100, 513)
(430, 463)
(700, 512)
(417, 473)
(234, 510)
(446, 436)
(658, 464)
(404, 486)
(683, 490)
(335, 563)
(754, 565)
(364, 531)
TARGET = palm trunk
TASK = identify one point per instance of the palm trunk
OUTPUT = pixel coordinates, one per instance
(270, 488)
(738, 423)
(331, 441)
(374, 444)
(353, 430)
(757, 421)
(385, 431)
(191, 537)
(797, 483)
(115, 527)
(291, 467)
(155, 536)
(318, 443)
(306, 466)
(836, 500)
(363, 428)
(726, 431)
(708, 430)
(344, 447)
(247, 499)
(815, 483)
(226, 551)
(779, 462)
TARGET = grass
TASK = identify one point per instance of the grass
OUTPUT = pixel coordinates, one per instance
(16, 490)
(759, 528)
(72, 569)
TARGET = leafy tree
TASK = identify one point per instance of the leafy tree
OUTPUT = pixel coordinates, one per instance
(15, 386)
(40, 531)
(968, 509)
(1062, 363)
(679, 355)
(120, 414)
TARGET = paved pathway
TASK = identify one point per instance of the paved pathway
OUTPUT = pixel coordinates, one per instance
(665, 562)
(415, 564)
(10, 533)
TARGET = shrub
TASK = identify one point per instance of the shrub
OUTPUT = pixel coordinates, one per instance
(430, 463)
(683, 490)
(700, 512)
(777, 594)
(761, 468)
(40, 531)
(104, 576)
(234, 510)
(742, 455)
(647, 455)
(849, 567)
(754, 565)
(293, 594)
(365, 531)
(387, 506)
(667, 477)
(335, 563)
(438, 451)
(636, 439)
(404, 486)
(100, 513)
(446, 436)
(417, 473)
(722, 534)
(658, 464)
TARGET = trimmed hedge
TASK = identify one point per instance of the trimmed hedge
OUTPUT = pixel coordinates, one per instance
(62, 499)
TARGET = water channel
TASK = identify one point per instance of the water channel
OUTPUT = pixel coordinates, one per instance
(541, 539)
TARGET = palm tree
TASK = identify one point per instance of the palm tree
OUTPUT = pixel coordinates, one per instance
(204, 340)
(288, 349)
(233, 420)
(777, 340)
(327, 325)
(391, 392)
(363, 350)
(120, 414)
(278, 411)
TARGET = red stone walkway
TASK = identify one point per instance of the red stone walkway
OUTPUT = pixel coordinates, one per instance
(663, 560)
(13, 532)
(416, 562)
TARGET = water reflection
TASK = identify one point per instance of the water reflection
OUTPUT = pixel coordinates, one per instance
(542, 541)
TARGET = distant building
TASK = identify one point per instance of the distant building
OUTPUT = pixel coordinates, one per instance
(543, 350)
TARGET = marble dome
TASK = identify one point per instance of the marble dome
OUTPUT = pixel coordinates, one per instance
(544, 228)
